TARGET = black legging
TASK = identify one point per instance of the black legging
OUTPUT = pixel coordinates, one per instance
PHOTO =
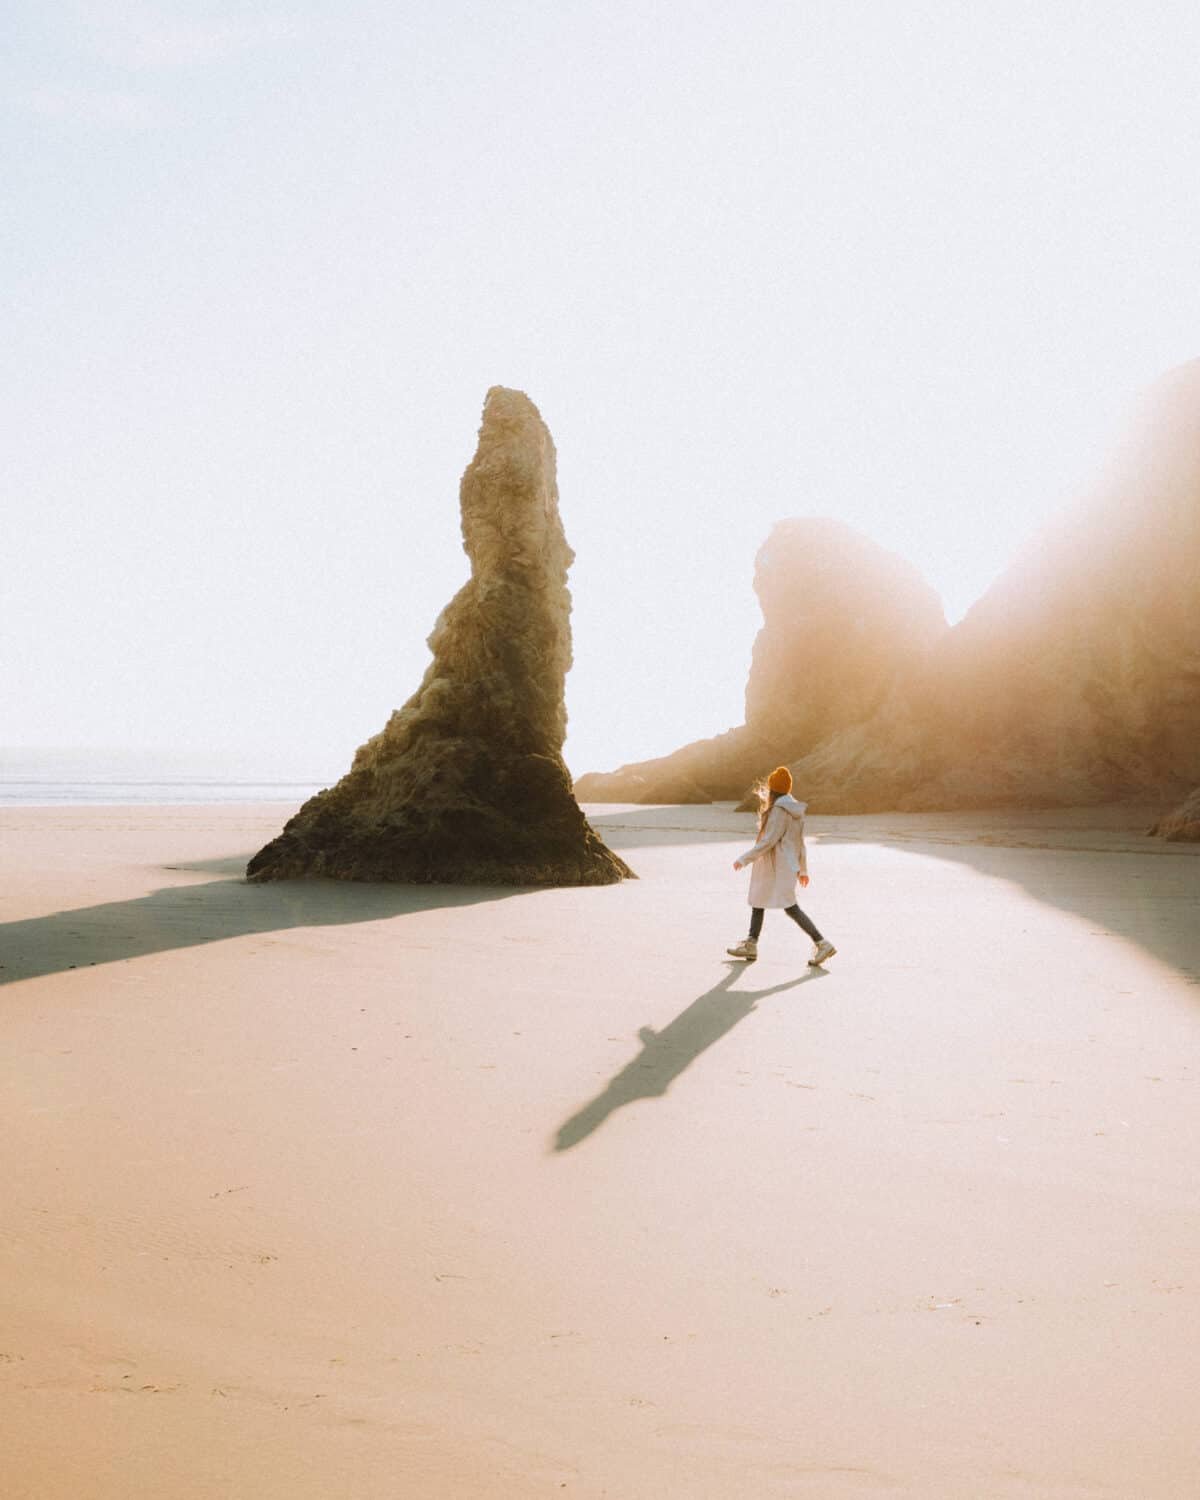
(797, 916)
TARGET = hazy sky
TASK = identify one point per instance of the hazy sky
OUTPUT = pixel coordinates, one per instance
(906, 265)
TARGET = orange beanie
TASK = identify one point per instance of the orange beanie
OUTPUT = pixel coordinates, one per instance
(780, 780)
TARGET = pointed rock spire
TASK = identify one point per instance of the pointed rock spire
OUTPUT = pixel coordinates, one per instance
(466, 784)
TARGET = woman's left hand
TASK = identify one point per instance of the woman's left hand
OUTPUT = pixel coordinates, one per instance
(803, 879)
(737, 864)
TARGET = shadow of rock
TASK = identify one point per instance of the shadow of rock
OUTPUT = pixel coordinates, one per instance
(1097, 863)
(186, 916)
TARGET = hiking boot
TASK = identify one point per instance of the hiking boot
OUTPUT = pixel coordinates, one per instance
(747, 949)
(821, 953)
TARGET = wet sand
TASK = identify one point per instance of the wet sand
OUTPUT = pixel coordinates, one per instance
(315, 1190)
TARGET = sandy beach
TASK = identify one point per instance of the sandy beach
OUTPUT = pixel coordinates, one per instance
(316, 1190)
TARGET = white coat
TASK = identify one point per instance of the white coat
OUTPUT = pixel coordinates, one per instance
(778, 859)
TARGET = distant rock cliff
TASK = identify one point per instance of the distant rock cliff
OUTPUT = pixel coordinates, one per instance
(1075, 679)
(1182, 823)
(466, 782)
(843, 619)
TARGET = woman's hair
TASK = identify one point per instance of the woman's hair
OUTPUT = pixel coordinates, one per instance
(766, 801)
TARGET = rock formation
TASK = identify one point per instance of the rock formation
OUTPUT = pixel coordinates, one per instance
(842, 620)
(466, 783)
(1183, 823)
(1074, 680)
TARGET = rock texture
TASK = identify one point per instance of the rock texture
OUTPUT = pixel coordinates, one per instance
(1074, 680)
(1183, 823)
(842, 620)
(466, 782)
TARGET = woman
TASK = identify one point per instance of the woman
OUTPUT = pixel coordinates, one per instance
(779, 861)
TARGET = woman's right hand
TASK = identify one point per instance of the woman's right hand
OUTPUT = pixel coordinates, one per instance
(737, 864)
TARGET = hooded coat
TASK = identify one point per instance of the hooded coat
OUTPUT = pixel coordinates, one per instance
(778, 859)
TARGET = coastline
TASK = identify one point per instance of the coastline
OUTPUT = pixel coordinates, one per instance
(320, 1189)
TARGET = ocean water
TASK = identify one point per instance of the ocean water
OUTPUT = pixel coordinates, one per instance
(54, 777)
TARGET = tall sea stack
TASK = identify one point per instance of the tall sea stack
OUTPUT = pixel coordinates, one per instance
(466, 783)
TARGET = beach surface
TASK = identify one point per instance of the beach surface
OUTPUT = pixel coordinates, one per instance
(316, 1190)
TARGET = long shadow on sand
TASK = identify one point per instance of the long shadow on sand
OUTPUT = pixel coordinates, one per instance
(186, 916)
(666, 1053)
(1140, 888)
(1121, 882)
